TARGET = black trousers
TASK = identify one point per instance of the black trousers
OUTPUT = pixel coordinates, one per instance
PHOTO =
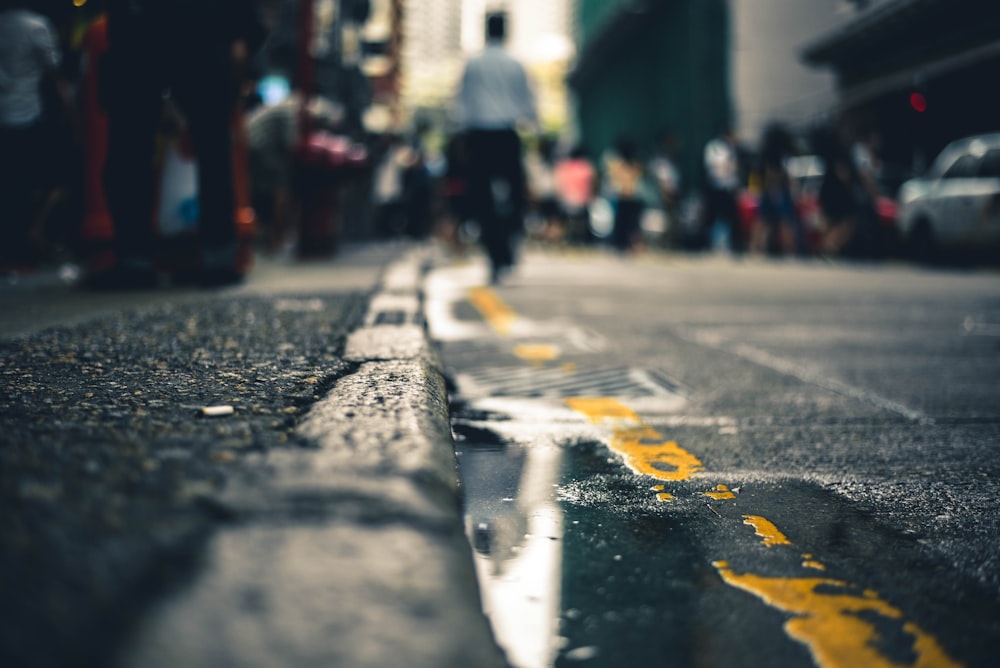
(721, 206)
(140, 65)
(497, 192)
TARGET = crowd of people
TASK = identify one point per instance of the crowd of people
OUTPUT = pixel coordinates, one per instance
(83, 106)
(496, 178)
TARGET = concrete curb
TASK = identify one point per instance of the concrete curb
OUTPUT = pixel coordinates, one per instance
(353, 554)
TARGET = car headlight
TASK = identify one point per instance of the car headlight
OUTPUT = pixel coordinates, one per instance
(909, 192)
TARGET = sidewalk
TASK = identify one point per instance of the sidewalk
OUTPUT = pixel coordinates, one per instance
(317, 523)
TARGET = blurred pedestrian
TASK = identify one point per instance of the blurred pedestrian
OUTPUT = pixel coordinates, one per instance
(722, 184)
(576, 184)
(667, 181)
(778, 229)
(847, 208)
(387, 187)
(417, 185)
(29, 60)
(454, 194)
(198, 50)
(272, 136)
(493, 97)
(623, 184)
(541, 165)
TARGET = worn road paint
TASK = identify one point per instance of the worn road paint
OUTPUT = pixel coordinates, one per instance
(809, 562)
(661, 495)
(645, 450)
(831, 618)
(493, 309)
(766, 529)
(603, 409)
(537, 353)
(720, 492)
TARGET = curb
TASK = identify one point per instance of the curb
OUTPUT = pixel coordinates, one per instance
(352, 554)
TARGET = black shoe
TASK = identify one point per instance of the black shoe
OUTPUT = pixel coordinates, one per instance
(123, 277)
(219, 277)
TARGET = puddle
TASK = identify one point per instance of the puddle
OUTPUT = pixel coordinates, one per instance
(515, 529)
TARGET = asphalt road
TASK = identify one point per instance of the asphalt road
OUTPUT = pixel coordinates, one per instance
(698, 461)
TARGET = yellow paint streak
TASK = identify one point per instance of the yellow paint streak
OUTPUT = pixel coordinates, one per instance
(829, 623)
(662, 496)
(812, 563)
(600, 409)
(493, 309)
(645, 450)
(720, 492)
(765, 529)
(536, 352)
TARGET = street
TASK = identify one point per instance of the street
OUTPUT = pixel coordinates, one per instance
(696, 460)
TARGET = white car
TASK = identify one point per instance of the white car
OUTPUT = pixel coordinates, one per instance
(957, 203)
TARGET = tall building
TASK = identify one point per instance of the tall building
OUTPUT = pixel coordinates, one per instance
(769, 80)
(917, 73)
(432, 52)
(440, 34)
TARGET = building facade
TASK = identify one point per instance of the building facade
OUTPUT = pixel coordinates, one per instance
(918, 73)
(649, 67)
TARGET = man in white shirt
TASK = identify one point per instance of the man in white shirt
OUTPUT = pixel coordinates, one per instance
(494, 97)
(28, 53)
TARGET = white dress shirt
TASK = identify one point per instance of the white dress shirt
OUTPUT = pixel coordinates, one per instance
(494, 92)
(27, 50)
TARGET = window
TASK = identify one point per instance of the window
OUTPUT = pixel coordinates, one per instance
(989, 167)
(963, 168)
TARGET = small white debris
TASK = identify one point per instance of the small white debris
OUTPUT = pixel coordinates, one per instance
(581, 653)
(217, 411)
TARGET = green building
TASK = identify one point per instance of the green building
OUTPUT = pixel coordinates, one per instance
(649, 66)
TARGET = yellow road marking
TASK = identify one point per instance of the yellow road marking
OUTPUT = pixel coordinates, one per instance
(661, 495)
(812, 563)
(645, 450)
(720, 492)
(493, 309)
(826, 613)
(766, 530)
(536, 353)
(832, 620)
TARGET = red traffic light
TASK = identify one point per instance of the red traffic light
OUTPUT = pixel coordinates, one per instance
(918, 102)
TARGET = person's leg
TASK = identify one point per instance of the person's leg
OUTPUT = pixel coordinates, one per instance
(510, 170)
(481, 208)
(205, 97)
(132, 96)
(15, 195)
(210, 122)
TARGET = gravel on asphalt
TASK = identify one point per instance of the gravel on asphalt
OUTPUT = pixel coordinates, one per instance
(107, 462)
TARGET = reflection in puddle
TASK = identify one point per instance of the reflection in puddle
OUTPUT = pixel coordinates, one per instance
(515, 528)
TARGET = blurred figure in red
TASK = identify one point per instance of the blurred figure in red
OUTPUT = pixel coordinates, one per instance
(494, 96)
(576, 183)
(198, 50)
(29, 58)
